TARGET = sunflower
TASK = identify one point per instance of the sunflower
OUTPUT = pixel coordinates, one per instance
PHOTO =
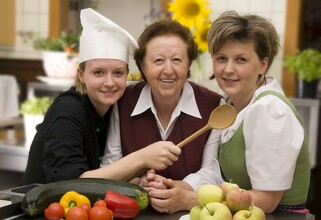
(201, 35)
(189, 11)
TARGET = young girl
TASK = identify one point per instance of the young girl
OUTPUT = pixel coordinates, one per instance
(71, 140)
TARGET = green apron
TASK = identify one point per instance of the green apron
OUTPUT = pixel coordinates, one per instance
(233, 163)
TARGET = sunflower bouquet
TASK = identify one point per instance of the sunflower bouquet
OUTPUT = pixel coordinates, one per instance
(194, 14)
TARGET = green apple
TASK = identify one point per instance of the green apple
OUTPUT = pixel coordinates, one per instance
(238, 199)
(243, 215)
(129, 77)
(258, 212)
(255, 213)
(136, 76)
(209, 193)
(215, 211)
(195, 213)
(226, 187)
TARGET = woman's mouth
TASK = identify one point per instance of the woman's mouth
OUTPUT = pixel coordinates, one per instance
(109, 92)
(167, 80)
(228, 81)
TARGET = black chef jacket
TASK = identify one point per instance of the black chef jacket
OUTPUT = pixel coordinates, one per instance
(70, 140)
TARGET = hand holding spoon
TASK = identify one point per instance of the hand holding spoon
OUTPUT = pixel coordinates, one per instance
(221, 117)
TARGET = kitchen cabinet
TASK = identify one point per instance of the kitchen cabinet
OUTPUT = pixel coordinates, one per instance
(13, 156)
(309, 112)
(7, 22)
(39, 89)
(14, 151)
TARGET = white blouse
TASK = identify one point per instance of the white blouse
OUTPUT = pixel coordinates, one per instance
(273, 139)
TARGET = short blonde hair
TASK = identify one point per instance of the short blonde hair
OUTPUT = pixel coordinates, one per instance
(248, 28)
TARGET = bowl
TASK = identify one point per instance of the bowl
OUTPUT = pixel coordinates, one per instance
(60, 64)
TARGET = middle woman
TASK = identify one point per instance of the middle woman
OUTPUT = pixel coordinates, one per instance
(166, 106)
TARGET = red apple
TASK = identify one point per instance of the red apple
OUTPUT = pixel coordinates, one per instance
(238, 199)
(226, 187)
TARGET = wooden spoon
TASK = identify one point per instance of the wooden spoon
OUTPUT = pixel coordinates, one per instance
(221, 117)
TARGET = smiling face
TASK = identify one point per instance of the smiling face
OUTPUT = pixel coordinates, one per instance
(105, 81)
(166, 66)
(237, 69)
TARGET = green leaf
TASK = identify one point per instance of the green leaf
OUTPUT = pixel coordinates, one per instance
(305, 64)
(36, 106)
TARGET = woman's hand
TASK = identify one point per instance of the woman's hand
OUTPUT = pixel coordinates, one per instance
(168, 197)
(159, 155)
(153, 180)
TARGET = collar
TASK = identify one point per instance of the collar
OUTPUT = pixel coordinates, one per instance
(186, 104)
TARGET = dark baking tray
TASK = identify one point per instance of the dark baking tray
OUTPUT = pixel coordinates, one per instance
(14, 211)
(16, 194)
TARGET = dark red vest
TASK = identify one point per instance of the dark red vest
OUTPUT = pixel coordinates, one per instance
(141, 130)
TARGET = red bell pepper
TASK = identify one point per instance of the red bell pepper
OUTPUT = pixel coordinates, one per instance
(123, 207)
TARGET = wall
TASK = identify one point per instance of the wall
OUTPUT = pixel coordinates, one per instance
(33, 15)
(133, 21)
(128, 16)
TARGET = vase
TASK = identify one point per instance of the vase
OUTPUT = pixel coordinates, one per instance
(306, 89)
(60, 64)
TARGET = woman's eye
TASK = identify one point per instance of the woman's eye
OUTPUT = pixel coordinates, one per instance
(221, 59)
(98, 72)
(177, 60)
(241, 60)
(119, 73)
(159, 60)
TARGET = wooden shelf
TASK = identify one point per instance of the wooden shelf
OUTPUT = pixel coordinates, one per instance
(11, 122)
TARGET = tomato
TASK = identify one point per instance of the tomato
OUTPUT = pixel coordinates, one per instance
(111, 213)
(76, 213)
(99, 213)
(55, 211)
(85, 207)
(100, 202)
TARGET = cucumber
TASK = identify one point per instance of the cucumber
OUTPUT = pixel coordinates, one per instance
(38, 199)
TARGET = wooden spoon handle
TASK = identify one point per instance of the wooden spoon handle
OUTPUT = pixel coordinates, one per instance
(137, 174)
(180, 145)
(193, 136)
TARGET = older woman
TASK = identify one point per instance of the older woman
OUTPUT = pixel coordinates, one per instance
(166, 106)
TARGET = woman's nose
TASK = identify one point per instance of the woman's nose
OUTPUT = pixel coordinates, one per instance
(108, 80)
(229, 67)
(168, 68)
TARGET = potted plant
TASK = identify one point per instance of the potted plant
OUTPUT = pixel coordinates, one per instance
(33, 111)
(306, 65)
(60, 55)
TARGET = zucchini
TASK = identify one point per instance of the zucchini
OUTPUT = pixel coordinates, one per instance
(38, 199)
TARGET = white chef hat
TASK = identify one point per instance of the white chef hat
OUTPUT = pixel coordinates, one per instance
(102, 38)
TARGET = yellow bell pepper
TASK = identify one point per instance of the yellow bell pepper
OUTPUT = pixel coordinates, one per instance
(72, 198)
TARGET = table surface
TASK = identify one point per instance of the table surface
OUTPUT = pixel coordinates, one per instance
(10, 211)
